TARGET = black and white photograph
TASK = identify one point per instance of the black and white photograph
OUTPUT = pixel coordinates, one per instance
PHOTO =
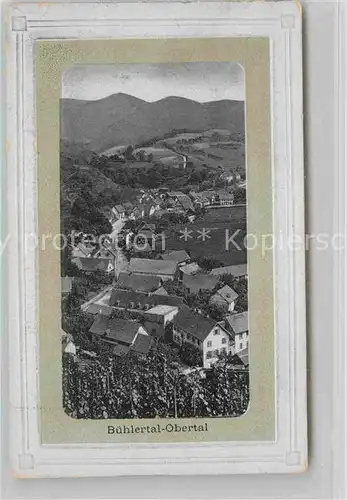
(154, 279)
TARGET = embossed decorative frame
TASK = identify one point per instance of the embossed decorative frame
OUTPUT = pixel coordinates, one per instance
(281, 22)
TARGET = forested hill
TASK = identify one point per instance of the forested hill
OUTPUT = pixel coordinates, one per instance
(124, 119)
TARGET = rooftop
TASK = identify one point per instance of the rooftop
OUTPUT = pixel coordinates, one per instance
(227, 293)
(119, 330)
(176, 256)
(93, 263)
(138, 282)
(237, 270)
(94, 308)
(119, 208)
(237, 322)
(197, 325)
(162, 309)
(200, 282)
(151, 266)
(139, 300)
(142, 344)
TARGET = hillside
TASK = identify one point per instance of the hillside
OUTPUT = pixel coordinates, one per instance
(123, 119)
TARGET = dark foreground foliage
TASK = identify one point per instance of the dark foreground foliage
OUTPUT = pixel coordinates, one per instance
(134, 387)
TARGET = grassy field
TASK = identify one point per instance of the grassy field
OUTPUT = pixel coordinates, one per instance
(217, 222)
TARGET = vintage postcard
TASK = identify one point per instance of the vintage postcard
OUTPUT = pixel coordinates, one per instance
(164, 185)
(154, 269)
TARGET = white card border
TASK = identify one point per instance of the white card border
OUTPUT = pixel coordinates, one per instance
(282, 23)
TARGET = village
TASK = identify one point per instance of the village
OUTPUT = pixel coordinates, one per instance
(156, 294)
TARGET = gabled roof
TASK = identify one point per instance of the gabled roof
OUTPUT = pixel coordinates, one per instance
(147, 225)
(160, 291)
(142, 344)
(119, 330)
(193, 323)
(185, 201)
(138, 282)
(100, 324)
(93, 263)
(227, 293)
(200, 282)
(123, 330)
(125, 299)
(176, 256)
(152, 267)
(237, 270)
(238, 323)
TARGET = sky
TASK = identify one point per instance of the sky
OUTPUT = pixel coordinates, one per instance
(200, 81)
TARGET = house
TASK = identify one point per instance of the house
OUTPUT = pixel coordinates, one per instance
(224, 198)
(185, 202)
(67, 344)
(190, 269)
(148, 209)
(238, 271)
(147, 226)
(199, 199)
(225, 298)
(209, 336)
(210, 196)
(138, 282)
(139, 301)
(157, 318)
(237, 324)
(105, 253)
(120, 335)
(175, 194)
(198, 282)
(93, 264)
(82, 250)
(149, 267)
(66, 285)
(179, 256)
(119, 212)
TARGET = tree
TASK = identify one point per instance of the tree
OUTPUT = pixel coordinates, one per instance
(240, 195)
(190, 355)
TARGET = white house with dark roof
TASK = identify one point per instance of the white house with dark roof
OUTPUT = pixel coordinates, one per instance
(209, 336)
(225, 298)
(237, 325)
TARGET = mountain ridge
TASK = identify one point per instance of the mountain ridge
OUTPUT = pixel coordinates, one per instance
(124, 119)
